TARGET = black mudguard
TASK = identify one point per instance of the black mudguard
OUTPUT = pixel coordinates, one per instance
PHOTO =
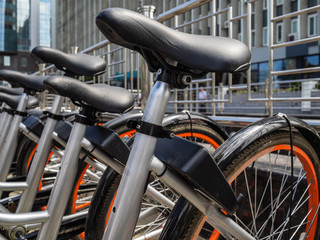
(194, 163)
(232, 147)
(171, 119)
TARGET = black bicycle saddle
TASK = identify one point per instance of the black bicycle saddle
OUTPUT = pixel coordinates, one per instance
(73, 64)
(28, 82)
(13, 100)
(194, 52)
(12, 91)
(101, 97)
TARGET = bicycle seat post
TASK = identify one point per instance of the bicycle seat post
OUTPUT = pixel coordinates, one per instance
(126, 208)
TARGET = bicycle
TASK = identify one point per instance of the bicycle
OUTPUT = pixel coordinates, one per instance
(91, 149)
(179, 59)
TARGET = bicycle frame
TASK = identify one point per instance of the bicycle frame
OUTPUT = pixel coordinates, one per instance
(126, 207)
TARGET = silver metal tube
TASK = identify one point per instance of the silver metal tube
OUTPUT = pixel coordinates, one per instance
(5, 129)
(271, 27)
(2, 117)
(63, 185)
(102, 156)
(297, 13)
(27, 133)
(10, 219)
(9, 148)
(296, 42)
(40, 160)
(126, 207)
(155, 195)
(13, 186)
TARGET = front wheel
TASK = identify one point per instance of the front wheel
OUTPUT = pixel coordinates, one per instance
(262, 174)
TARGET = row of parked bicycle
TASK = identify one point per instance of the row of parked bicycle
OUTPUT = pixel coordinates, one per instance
(71, 175)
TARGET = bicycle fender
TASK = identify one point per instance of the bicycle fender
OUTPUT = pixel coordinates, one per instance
(231, 148)
(194, 163)
(184, 117)
(171, 119)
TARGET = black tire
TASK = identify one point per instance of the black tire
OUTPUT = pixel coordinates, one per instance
(278, 143)
(108, 185)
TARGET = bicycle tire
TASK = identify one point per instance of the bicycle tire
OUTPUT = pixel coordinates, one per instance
(236, 171)
(107, 187)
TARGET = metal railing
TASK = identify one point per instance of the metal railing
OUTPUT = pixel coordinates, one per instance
(127, 69)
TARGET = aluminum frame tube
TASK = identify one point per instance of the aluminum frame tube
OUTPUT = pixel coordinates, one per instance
(63, 185)
(126, 208)
(40, 160)
(5, 129)
(10, 145)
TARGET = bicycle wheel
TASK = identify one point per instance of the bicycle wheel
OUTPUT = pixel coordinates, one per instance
(153, 214)
(262, 174)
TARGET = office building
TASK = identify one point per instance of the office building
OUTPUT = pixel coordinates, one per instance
(24, 24)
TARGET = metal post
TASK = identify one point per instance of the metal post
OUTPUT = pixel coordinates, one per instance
(271, 26)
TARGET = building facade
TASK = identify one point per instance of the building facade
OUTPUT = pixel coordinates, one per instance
(24, 24)
(76, 27)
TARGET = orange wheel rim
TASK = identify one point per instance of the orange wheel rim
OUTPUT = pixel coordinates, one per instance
(200, 136)
(129, 134)
(75, 208)
(310, 175)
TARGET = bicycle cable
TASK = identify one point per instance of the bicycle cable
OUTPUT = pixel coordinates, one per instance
(291, 187)
(190, 120)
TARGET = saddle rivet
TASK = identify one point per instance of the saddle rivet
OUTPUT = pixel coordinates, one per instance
(159, 71)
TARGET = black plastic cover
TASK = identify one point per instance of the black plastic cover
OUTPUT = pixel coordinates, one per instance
(63, 129)
(34, 125)
(110, 142)
(194, 163)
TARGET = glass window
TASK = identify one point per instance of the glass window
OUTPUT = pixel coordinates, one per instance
(279, 32)
(312, 25)
(254, 72)
(312, 3)
(279, 10)
(294, 25)
(265, 4)
(265, 18)
(278, 65)
(252, 21)
(265, 35)
(291, 63)
(263, 71)
(311, 61)
(24, 61)
(279, 2)
(6, 61)
(294, 5)
(253, 38)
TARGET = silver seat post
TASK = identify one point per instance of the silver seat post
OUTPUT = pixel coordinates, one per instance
(10, 144)
(63, 184)
(40, 159)
(127, 204)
